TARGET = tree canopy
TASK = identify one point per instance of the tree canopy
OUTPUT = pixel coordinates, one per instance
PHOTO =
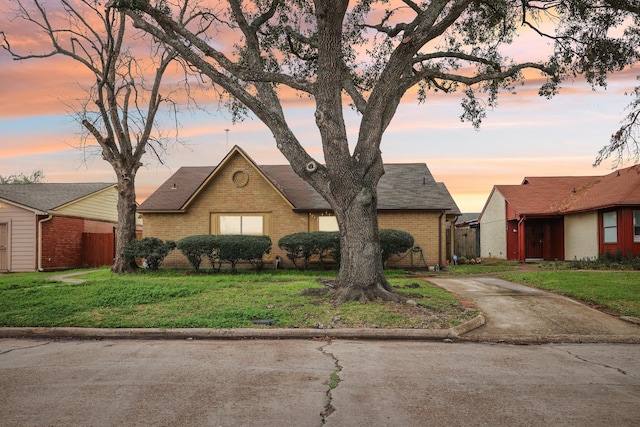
(35, 177)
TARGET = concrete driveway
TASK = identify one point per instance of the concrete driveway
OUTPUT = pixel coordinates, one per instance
(519, 314)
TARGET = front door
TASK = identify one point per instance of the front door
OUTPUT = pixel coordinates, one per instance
(534, 238)
(4, 246)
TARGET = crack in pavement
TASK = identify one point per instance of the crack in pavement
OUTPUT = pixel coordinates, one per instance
(23, 348)
(333, 382)
(604, 365)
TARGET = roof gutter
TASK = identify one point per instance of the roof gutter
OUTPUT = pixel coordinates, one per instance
(49, 218)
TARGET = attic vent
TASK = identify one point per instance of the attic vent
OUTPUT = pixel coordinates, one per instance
(240, 178)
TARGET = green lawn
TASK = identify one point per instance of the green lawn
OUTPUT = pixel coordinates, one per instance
(172, 299)
(615, 291)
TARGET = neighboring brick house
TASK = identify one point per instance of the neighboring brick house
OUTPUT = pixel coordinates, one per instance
(239, 196)
(57, 226)
(563, 218)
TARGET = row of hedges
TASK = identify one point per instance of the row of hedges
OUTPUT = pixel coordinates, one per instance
(227, 248)
(299, 247)
(302, 247)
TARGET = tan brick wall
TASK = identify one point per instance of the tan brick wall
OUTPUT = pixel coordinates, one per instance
(424, 228)
(222, 195)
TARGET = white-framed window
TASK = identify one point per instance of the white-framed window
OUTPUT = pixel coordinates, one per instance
(610, 227)
(636, 226)
(245, 224)
(328, 223)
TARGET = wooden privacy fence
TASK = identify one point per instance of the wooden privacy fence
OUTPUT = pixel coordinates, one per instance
(467, 242)
(98, 249)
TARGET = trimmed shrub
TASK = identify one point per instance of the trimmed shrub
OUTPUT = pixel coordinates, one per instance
(394, 242)
(300, 247)
(234, 248)
(194, 248)
(151, 249)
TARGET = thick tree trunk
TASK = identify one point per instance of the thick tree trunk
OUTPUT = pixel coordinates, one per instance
(361, 276)
(126, 231)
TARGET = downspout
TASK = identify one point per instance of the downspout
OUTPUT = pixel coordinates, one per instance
(49, 218)
(440, 239)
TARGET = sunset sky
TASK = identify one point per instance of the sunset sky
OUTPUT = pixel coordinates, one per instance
(525, 136)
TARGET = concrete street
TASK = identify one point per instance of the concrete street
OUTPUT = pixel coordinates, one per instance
(285, 383)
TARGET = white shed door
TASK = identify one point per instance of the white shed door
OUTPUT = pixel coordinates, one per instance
(4, 243)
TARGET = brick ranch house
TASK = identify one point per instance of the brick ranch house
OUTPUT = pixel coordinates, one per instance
(240, 197)
(57, 226)
(563, 218)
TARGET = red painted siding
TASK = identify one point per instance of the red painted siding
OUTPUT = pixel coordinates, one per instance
(625, 245)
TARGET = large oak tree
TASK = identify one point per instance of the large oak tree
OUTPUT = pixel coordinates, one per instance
(370, 54)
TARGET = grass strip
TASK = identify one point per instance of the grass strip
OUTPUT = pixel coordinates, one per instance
(182, 299)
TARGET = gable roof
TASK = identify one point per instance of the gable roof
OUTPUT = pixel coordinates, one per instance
(295, 189)
(403, 186)
(45, 197)
(572, 194)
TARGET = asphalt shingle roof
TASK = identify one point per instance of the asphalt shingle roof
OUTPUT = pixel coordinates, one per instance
(178, 189)
(403, 186)
(49, 196)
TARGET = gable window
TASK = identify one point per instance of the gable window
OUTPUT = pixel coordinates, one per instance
(327, 223)
(251, 225)
(610, 227)
(636, 226)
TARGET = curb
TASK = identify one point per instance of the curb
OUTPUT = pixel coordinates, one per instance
(631, 319)
(469, 326)
(238, 334)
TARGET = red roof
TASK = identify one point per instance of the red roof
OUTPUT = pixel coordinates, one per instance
(567, 194)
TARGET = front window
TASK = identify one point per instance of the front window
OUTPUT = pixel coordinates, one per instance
(610, 227)
(636, 226)
(252, 225)
(327, 223)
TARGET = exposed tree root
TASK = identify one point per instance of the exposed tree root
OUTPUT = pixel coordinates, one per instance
(373, 292)
(352, 292)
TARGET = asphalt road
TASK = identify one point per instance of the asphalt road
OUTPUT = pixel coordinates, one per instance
(286, 383)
